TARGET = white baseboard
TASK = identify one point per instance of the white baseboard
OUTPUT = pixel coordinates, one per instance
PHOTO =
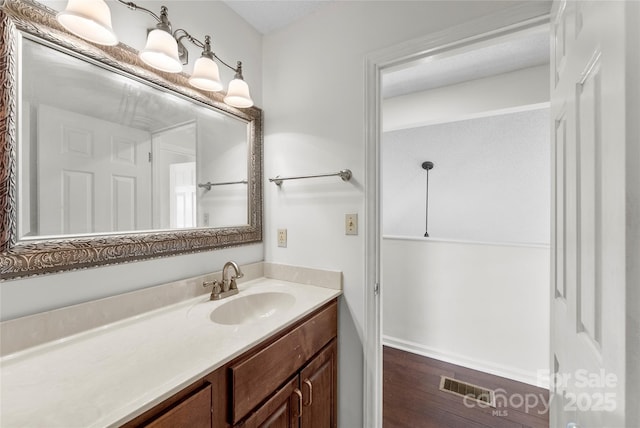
(484, 366)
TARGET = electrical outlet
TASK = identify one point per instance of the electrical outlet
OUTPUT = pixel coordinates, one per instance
(282, 238)
(351, 224)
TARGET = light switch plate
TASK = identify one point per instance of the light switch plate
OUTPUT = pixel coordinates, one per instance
(351, 224)
(282, 238)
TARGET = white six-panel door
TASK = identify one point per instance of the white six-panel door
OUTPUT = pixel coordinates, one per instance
(588, 268)
(94, 176)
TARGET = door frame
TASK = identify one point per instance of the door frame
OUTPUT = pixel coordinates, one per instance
(510, 19)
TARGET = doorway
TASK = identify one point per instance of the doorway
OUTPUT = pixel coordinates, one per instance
(467, 285)
(174, 176)
(388, 64)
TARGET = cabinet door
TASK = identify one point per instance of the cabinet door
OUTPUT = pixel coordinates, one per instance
(193, 412)
(318, 382)
(280, 411)
(256, 377)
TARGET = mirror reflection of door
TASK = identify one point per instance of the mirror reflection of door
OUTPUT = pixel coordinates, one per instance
(85, 164)
(85, 155)
(174, 177)
(182, 189)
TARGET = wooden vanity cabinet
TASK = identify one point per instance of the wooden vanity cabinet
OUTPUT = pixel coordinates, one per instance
(280, 411)
(319, 386)
(193, 412)
(190, 407)
(288, 381)
(254, 378)
(306, 401)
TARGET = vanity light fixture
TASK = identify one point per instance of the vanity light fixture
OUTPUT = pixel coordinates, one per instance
(206, 75)
(161, 50)
(238, 92)
(89, 19)
(164, 51)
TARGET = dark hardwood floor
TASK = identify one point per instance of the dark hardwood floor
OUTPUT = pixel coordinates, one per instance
(411, 396)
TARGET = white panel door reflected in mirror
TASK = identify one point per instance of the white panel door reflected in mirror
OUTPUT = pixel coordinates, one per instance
(101, 153)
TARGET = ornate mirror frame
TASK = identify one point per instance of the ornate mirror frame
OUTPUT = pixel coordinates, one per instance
(37, 257)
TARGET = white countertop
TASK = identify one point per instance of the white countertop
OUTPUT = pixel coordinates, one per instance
(107, 376)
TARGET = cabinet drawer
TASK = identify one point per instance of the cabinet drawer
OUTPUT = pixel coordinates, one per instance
(193, 412)
(257, 377)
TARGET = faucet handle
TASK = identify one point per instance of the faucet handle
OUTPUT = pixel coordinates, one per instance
(232, 282)
(233, 278)
(216, 286)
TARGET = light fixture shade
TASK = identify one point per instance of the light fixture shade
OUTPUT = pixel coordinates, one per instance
(238, 94)
(161, 52)
(206, 75)
(90, 20)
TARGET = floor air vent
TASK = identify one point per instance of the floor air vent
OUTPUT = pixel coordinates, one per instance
(463, 389)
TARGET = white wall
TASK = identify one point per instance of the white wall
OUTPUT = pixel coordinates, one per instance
(476, 98)
(233, 40)
(490, 182)
(482, 306)
(314, 122)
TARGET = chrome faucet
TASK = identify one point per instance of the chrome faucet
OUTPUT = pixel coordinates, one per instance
(230, 284)
(227, 287)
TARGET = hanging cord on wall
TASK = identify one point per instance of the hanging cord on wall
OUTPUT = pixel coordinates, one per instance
(428, 166)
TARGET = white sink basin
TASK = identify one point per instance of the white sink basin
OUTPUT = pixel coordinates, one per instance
(252, 308)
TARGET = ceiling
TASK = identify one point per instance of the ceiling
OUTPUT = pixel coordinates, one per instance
(525, 49)
(267, 16)
(516, 51)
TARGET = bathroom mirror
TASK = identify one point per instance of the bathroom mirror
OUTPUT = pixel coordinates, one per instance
(105, 160)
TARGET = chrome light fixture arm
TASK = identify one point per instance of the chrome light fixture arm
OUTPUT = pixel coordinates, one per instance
(181, 34)
(238, 69)
(163, 19)
(133, 6)
(183, 53)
